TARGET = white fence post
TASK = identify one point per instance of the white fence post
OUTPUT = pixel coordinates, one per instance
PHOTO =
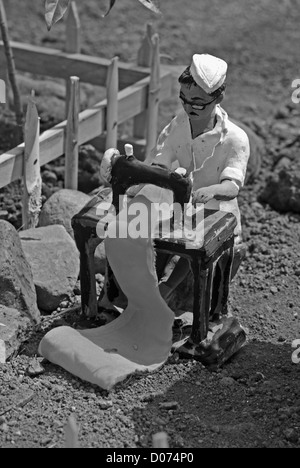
(5, 84)
(144, 60)
(112, 104)
(32, 197)
(73, 41)
(72, 129)
(154, 93)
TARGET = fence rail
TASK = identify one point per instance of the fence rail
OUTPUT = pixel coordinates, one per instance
(133, 91)
(57, 64)
(132, 101)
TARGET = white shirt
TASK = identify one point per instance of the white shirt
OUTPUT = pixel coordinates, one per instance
(214, 156)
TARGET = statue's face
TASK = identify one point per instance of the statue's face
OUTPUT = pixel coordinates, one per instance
(197, 104)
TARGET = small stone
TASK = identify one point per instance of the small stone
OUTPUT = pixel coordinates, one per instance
(3, 214)
(228, 407)
(99, 278)
(5, 428)
(35, 368)
(46, 441)
(105, 404)
(160, 421)
(273, 289)
(77, 290)
(59, 388)
(290, 435)
(174, 358)
(227, 381)
(258, 377)
(169, 405)
(215, 429)
(281, 339)
(287, 411)
(49, 176)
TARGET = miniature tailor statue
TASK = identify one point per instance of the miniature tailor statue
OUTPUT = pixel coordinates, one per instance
(202, 139)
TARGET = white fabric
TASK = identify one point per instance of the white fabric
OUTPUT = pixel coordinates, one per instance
(140, 339)
(209, 72)
(219, 154)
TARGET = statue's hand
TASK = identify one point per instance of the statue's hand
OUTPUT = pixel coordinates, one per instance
(204, 195)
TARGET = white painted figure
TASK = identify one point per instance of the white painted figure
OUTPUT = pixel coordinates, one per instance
(202, 139)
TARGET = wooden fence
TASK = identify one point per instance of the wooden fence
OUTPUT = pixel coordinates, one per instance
(133, 91)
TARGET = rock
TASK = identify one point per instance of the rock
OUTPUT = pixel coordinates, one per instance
(227, 382)
(13, 327)
(46, 191)
(77, 289)
(59, 171)
(215, 429)
(16, 280)
(49, 176)
(89, 164)
(3, 214)
(35, 367)
(5, 428)
(169, 405)
(281, 339)
(61, 207)
(54, 260)
(88, 181)
(282, 113)
(105, 404)
(291, 435)
(283, 130)
(89, 158)
(283, 163)
(282, 190)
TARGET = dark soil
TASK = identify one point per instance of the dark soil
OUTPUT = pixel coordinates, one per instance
(254, 401)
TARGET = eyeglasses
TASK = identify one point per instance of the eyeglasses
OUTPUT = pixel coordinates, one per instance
(196, 106)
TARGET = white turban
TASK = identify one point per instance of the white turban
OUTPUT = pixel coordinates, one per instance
(209, 72)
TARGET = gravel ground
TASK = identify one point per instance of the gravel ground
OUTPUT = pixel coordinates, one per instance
(254, 401)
